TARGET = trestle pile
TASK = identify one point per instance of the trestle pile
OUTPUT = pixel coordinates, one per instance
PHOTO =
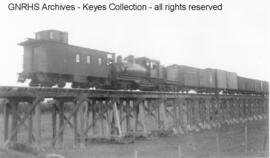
(116, 114)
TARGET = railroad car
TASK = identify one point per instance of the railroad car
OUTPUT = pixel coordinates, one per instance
(258, 85)
(50, 60)
(207, 78)
(231, 78)
(173, 77)
(265, 86)
(183, 77)
(221, 79)
(249, 85)
(241, 83)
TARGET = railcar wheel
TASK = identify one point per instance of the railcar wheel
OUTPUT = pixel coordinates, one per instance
(46, 84)
(61, 84)
(33, 84)
(79, 85)
(74, 85)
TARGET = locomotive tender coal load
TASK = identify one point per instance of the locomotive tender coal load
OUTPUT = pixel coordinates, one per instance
(50, 60)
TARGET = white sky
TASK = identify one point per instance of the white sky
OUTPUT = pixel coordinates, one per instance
(236, 39)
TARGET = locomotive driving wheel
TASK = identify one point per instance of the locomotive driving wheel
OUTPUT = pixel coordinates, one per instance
(79, 85)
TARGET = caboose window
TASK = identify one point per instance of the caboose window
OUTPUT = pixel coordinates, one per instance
(77, 58)
(88, 59)
(99, 61)
(51, 35)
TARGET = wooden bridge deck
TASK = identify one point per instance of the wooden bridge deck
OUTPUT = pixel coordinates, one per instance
(25, 92)
(119, 113)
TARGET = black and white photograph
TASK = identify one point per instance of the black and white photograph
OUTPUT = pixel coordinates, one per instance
(134, 79)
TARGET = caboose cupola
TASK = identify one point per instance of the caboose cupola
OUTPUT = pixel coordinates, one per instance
(52, 35)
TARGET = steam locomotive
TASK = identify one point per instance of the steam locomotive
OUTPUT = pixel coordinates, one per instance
(50, 61)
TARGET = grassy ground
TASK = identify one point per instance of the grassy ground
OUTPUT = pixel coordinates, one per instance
(196, 144)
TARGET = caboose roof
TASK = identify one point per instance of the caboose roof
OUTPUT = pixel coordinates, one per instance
(50, 30)
(31, 41)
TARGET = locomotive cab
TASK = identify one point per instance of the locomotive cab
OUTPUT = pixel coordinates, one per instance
(152, 66)
(136, 73)
(128, 67)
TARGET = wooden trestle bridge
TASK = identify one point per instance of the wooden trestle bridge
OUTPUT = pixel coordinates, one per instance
(111, 113)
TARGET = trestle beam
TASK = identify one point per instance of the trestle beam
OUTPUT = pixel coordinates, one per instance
(106, 114)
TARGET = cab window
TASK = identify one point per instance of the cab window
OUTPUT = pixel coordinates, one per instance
(154, 66)
(110, 59)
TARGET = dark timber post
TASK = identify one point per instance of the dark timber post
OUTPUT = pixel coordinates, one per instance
(121, 114)
(93, 109)
(101, 107)
(14, 123)
(30, 127)
(38, 123)
(158, 116)
(176, 115)
(162, 111)
(261, 107)
(196, 116)
(184, 114)
(128, 114)
(6, 120)
(189, 115)
(53, 122)
(87, 110)
(241, 109)
(180, 115)
(61, 121)
(245, 109)
(135, 114)
(207, 112)
(75, 128)
(142, 106)
(82, 123)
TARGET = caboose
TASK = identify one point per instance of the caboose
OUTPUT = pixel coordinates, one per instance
(49, 60)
